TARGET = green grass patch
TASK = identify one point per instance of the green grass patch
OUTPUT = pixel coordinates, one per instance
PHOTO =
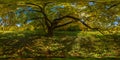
(66, 33)
(60, 59)
(72, 43)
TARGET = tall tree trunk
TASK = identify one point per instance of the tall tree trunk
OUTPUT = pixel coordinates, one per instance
(50, 32)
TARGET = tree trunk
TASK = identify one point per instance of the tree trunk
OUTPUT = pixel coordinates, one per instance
(50, 32)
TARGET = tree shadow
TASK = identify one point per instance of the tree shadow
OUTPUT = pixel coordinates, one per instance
(34, 45)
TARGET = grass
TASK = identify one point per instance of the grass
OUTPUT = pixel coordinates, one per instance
(9, 37)
(61, 59)
(56, 33)
(76, 33)
(65, 33)
(85, 58)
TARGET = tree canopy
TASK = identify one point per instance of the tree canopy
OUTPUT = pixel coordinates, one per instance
(52, 14)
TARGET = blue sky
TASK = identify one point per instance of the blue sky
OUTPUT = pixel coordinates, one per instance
(91, 3)
(18, 25)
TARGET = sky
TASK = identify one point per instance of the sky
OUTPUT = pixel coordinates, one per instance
(91, 3)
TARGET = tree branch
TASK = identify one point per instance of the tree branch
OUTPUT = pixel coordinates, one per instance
(45, 15)
(57, 19)
(80, 21)
(35, 18)
(46, 18)
(114, 5)
(42, 10)
(45, 4)
(62, 24)
(76, 19)
(47, 23)
(35, 5)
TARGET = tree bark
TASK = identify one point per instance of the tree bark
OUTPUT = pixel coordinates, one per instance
(50, 32)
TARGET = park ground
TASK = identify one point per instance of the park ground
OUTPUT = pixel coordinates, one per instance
(64, 45)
